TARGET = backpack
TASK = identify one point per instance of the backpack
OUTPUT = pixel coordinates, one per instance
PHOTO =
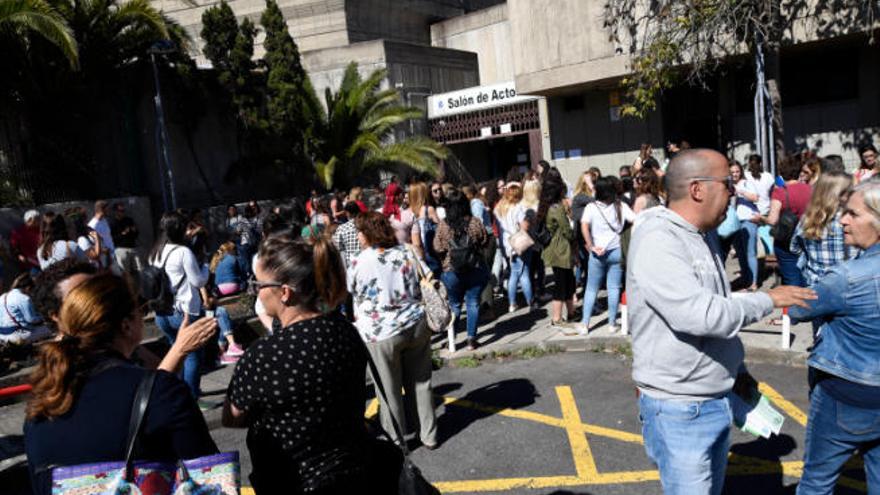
(538, 230)
(463, 254)
(155, 287)
(784, 229)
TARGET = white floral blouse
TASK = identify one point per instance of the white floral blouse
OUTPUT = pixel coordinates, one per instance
(385, 287)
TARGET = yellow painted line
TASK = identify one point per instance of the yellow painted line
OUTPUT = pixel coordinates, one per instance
(246, 490)
(623, 436)
(584, 462)
(372, 409)
(782, 403)
(626, 477)
(497, 485)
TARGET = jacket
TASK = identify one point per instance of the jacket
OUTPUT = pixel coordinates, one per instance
(684, 320)
(558, 252)
(848, 307)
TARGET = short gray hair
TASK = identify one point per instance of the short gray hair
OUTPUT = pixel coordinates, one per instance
(870, 190)
(30, 215)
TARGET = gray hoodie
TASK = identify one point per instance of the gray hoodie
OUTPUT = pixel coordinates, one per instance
(684, 321)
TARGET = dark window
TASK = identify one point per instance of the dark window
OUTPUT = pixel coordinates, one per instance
(571, 103)
(820, 76)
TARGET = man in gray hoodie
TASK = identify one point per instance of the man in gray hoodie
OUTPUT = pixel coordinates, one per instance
(685, 325)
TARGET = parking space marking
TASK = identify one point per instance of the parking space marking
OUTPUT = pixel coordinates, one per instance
(582, 454)
(782, 403)
(584, 462)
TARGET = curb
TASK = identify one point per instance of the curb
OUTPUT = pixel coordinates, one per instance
(598, 344)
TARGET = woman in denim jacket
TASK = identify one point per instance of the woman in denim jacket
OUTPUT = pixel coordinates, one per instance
(845, 362)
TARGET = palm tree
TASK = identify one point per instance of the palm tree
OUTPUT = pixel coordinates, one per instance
(18, 18)
(356, 132)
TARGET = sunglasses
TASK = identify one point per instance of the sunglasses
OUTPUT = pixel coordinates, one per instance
(728, 181)
(435, 191)
(256, 286)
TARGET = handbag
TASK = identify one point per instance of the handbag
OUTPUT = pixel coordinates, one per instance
(784, 228)
(520, 241)
(434, 298)
(730, 225)
(217, 474)
(411, 481)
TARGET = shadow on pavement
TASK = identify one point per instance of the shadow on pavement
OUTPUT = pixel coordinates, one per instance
(514, 393)
(767, 450)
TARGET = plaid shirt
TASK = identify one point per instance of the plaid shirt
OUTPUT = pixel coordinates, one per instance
(346, 240)
(820, 256)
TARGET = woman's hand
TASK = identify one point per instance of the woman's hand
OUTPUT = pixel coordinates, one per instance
(597, 251)
(190, 337)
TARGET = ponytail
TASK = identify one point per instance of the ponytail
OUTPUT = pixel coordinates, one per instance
(329, 273)
(54, 380)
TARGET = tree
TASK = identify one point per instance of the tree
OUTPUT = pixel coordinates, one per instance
(291, 105)
(20, 18)
(671, 39)
(356, 132)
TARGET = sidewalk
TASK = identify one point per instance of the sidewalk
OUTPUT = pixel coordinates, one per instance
(524, 329)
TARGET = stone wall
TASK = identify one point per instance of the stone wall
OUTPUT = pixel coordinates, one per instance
(485, 32)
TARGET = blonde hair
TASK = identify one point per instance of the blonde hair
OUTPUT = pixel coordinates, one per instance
(223, 250)
(418, 196)
(824, 203)
(513, 194)
(582, 186)
(531, 194)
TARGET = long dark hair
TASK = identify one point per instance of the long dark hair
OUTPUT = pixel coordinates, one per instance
(458, 212)
(552, 192)
(52, 229)
(606, 192)
(172, 230)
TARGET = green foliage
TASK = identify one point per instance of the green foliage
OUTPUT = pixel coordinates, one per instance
(19, 19)
(357, 132)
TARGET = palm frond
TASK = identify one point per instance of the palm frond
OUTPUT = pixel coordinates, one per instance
(383, 120)
(39, 17)
(134, 13)
(418, 153)
(325, 171)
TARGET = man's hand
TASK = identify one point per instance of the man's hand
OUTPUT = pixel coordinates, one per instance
(787, 295)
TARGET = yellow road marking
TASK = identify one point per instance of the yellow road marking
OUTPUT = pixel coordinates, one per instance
(584, 462)
(246, 490)
(503, 484)
(783, 403)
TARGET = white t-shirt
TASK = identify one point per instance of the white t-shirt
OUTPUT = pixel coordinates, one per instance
(184, 273)
(762, 186)
(103, 229)
(746, 209)
(605, 225)
(86, 244)
(509, 225)
(61, 250)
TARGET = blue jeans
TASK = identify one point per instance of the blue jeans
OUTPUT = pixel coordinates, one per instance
(193, 362)
(519, 276)
(688, 441)
(608, 267)
(788, 267)
(747, 251)
(467, 286)
(224, 322)
(834, 431)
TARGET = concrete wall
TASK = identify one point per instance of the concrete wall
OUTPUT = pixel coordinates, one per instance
(485, 32)
(396, 20)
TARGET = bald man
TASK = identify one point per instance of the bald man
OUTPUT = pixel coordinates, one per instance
(685, 324)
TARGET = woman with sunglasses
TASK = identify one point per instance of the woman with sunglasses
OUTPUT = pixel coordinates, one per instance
(300, 392)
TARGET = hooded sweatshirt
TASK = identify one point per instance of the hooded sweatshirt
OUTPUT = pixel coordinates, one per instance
(685, 323)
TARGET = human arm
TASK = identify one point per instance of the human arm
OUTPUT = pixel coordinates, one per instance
(831, 292)
(415, 238)
(640, 203)
(195, 275)
(242, 395)
(432, 212)
(773, 215)
(190, 338)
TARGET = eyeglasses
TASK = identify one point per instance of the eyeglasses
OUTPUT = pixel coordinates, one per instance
(435, 191)
(257, 286)
(728, 180)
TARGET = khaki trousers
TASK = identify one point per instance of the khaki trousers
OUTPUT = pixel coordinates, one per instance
(404, 361)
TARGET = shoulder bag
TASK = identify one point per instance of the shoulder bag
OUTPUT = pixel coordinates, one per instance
(785, 226)
(434, 298)
(218, 474)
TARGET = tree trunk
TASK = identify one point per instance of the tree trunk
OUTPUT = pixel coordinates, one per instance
(774, 88)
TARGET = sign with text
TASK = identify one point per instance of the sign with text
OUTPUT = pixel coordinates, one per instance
(476, 98)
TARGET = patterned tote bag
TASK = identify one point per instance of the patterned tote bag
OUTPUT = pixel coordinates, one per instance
(217, 474)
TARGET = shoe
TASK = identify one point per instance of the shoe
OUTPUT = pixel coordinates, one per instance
(583, 329)
(429, 446)
(471, 344)
(511, 308)
(534, 306)
(234, 350)
(564, 328)
(227, 358)
(613, 329)
(207, 405)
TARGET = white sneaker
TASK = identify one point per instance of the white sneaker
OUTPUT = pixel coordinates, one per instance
(613, 329)
(511, 309)
(583, 329)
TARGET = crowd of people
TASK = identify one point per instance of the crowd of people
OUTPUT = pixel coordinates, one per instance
(338, 282)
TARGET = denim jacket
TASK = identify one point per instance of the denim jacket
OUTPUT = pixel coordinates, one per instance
(848, 307)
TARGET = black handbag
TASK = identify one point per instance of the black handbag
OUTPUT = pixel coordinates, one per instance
(411, 481)
(785, 227)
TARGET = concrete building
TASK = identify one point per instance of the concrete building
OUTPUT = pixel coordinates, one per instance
(556, 57)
